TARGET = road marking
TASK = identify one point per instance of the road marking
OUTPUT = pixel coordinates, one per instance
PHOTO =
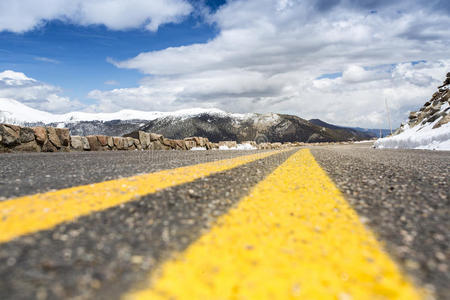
(294, 236)
(29, 214)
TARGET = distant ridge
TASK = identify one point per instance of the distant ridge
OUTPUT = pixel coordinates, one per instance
(374, 133)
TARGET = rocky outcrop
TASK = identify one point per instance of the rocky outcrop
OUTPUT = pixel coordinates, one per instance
(435, 109)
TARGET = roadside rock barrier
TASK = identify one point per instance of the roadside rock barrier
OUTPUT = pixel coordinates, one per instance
(15, 138)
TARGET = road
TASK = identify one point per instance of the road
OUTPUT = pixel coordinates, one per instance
(345, 220)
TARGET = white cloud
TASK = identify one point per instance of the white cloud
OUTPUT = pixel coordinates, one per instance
(111, 82)
(24, 15)
(269, 53)
(47, 60)
(39, 95)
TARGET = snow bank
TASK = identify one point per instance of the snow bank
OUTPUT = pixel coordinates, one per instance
(238, 147)
(198, 149)
(419, 137)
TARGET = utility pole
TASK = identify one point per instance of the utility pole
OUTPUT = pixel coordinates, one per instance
(388, 114)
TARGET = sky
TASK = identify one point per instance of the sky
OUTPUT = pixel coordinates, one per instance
(337, 60)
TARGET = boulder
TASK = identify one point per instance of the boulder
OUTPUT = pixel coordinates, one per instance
(445, 119)
(49, 147)
(10, 135)
(181, 145)
(130, 142)
(94, 143)
(76, 143)
(190, 144)
(156, 137)
(166, 142)
(64, 136)
(194, 139)
(30, 146)
(103, 140)
(85, 143)
(110, 142)
(26, 135)
(53, 137)
(120, 142)
(143, 137)
(40, 133)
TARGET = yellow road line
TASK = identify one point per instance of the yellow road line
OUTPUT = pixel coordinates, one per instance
(33, 213)
(294, 236)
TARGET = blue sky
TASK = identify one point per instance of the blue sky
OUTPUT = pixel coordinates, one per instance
(336, 60)
(74, 57)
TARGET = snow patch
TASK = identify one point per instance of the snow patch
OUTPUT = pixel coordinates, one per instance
(238, 147)
(198, 149)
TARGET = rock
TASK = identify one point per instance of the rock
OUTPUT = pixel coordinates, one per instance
(31, 146)
(41, 134)
(85, 143)
(103, 140)
(53, 137)
(26, 135)
(413, 115)
(194, 139)
(10, 135)
(445, 119)
(64, 136)
(166, 142)
(137, 144)
(173, 144)
(181, 145)
(119, 142)
(110, 142)
(190, 144)
(157, 145)
(156, 137)
(276, 145)
(94, 143)
(130, 142)
(49, 147)
(143, 137)
(76, 143)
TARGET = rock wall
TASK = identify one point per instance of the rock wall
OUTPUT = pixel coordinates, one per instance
(50, 139)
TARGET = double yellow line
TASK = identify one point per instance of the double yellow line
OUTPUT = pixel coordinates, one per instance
(293, 236)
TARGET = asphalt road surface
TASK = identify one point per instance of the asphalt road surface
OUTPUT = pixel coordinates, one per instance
(131, 228)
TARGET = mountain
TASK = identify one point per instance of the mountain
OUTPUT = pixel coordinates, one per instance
(82, 123)
(259, 127)
(214, 124)
(427, 128)
(368, 132)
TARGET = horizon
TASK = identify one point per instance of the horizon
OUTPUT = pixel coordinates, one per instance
(336, 61)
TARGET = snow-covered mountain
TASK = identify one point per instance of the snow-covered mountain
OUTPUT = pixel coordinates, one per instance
(14, 112)
(83, 123)
(214, 124)
(428, 128)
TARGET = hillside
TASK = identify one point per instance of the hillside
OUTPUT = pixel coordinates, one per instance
(366, 132)
(427, 128)
(259, 127)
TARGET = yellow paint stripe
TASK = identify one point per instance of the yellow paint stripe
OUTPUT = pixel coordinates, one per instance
(33, 213)
(294, 236)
